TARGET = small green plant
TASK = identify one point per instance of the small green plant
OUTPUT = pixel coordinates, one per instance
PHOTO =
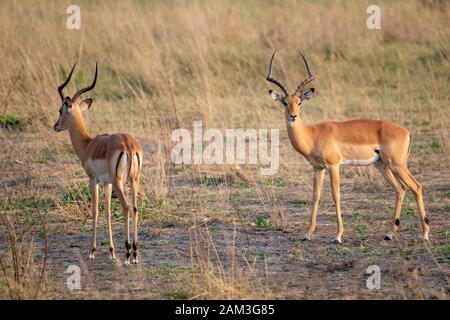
(445, 250)
(435, 146)
(445, 234)
(299, 202)
(169, 269)
(213, 180)
(273, 182)
(10, 122)
(406, 252)
(43, 156)
(340, 251)
(104, 243)
(262, 255)
(118, 215)
(262, 222)
(233, 214)
(83, 230)
(31, 220)
(243, 185)
(356, 216)
(361, 229)
(79, 194)
(159, 203)
(114, 207)
(176, 295)
(408, 211)
(369, 250)
(30, 204)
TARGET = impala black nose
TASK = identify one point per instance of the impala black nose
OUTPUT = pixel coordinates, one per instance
(293, 116)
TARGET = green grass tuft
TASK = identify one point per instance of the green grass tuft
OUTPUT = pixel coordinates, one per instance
(262, 222)
(10, 122)
(77, 195)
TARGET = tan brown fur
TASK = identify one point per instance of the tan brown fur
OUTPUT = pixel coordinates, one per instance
(111, 159)
(103, 146)
(328, 145)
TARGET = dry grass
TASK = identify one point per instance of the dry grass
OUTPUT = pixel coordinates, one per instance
(164, 64)
(22, 267)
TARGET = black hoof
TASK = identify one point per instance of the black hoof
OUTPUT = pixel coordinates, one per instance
(387, 238)
(336, 241)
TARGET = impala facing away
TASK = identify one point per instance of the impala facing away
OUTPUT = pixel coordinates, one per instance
(328, 145)
(111, 159)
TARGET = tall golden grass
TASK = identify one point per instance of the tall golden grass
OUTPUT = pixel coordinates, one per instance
(188, 59)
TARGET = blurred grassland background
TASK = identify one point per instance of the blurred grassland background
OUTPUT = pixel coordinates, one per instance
(164, 64)
(208, 59)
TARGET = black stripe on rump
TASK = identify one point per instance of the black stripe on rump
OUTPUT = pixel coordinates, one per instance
(118, 161)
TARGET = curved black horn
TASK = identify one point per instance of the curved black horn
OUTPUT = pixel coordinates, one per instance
(308, 68)
(308, 79)
(84, 90)
(269, 75)
(62, 86)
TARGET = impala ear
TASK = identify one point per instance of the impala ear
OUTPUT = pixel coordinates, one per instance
(307, 94)
(85, 104)
(275, 95)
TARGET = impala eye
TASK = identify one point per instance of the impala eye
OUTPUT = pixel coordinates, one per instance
(285, 103)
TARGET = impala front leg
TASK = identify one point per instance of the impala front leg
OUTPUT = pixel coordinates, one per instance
(94, 193)
(335, 187)
(318, 183)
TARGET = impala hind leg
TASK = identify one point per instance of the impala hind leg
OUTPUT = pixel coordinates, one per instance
(400, 191)
(119, 188)
(134, 193)
(108, 193)
(335, 188)
(94, 204)
(318, 184)
(402, 173)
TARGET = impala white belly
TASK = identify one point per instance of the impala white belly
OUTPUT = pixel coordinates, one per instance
(99, 169)
(104, 178)
(361, 162)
